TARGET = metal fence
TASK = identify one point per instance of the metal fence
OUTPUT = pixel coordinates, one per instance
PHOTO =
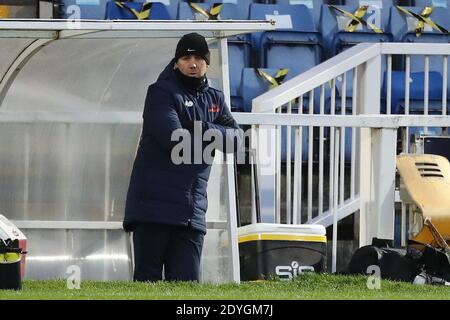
(351, 137)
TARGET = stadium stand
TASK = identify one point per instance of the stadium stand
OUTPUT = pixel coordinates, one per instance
(313, 30)
(294, 21)
(406, 28)
(243, 7)
(315, 7)
(433, 3)
(281, 48)
(133, 10)
(87, 9)
(344, 26)
(172, 7)
(256, 81)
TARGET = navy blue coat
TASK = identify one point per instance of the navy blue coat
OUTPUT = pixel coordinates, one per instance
(161, 191)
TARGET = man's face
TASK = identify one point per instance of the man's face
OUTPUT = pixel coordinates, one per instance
(192, 66)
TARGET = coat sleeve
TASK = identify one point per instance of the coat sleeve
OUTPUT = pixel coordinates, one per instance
(227, 127)
(160, 117)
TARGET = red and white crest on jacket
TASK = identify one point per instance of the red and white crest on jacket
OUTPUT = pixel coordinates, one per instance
(214, 108)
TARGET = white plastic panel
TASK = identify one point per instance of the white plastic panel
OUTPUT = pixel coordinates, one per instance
(74, 170)
(99, 254)
(9, 50)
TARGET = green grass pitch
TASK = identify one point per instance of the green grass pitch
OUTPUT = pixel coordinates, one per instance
(317, 286)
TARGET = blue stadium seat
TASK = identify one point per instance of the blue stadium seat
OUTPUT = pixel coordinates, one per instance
(314, 7)
(238, 46)
(295, 37)
(433, 3)
(114, 11)
(403, 28)
(379, 3)
(238, 59)
(416, 87)
(254, 85)
(382, 3)
(294, 50)
(403, 25)
(171, 6)
(88, 9)
(336, 39)
(243, 7)
(337, 36)
(416, 103)
(229, 11)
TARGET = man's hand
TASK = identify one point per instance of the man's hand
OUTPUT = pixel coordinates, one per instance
(224, 120)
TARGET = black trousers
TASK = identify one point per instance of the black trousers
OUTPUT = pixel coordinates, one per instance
(177, 248)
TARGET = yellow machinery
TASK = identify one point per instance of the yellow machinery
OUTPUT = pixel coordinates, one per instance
(425, 189)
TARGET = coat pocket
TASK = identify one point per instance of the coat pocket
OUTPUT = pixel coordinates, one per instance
(165, 187)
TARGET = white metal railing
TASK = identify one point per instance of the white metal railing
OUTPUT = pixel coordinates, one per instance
(370, 186)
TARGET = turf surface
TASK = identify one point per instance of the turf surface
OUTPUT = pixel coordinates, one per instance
(322, 286)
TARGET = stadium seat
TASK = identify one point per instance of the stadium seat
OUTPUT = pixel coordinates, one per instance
(403, 25)
(296, 51)
(204, 11)
(337, 38)
(118, 10)
(243, 7)
(314, 6)
(433, 3)
(348, 131)
(238, 58)
(253, 85)
(295, 37)
(94, 10)
(382, 3)
(416, 95)
(340, 32)
(238, 46)
(404, 30)
(171, 6)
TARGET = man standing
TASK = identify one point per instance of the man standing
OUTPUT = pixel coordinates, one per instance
(166, 202)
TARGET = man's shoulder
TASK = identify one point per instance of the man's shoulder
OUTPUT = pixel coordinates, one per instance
(163, 86)
(216, 92)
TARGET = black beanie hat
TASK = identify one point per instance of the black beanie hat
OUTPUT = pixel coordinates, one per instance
(192, 43)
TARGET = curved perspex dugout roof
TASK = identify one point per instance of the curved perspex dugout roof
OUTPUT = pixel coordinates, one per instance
(71, 101)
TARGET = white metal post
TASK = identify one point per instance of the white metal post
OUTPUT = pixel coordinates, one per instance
(334, 205)
(224, 72)
(383, 184)
(232, 219)
(229, 167)
(377, 162)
